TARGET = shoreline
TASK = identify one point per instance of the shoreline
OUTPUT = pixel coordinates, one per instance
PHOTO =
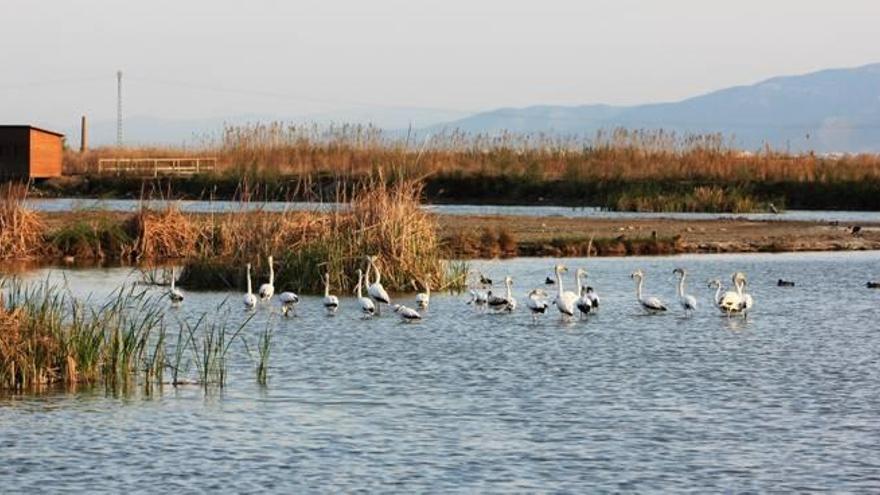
(491, 236)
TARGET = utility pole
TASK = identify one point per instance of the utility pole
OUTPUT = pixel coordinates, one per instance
(119, 108)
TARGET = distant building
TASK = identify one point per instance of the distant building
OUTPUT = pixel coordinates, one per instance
(28, 152)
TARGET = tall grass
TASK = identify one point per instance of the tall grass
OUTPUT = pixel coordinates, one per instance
(21, 230)
(49, 337)
(277, 149)
(380, 218)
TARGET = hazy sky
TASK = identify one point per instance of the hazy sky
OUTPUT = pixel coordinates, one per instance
(201, 58)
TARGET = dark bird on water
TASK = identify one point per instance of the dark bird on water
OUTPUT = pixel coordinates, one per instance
(873, 285)
(784, 283)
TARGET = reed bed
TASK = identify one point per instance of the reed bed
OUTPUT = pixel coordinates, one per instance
(21, 230)
(380, 218)
(48, 337)
(278, 149)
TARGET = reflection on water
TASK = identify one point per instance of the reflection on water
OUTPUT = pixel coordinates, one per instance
(66, 204)
(785, 400)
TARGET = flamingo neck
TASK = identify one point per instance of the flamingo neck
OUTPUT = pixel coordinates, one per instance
(559, 284)
(327, 285)
(739, 287)
(639, 288)
(172, 278)
(580, 284)
(681, 286)
(509, 290)
(718, 293)
(360, 281)
(250, 289)
(271, 274)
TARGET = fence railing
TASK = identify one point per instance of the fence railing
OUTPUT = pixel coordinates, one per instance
(155, 167)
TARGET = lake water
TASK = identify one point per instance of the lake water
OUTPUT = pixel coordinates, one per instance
(68, 204)
(786, 400)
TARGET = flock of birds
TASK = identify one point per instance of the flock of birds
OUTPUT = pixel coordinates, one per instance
(734, 301)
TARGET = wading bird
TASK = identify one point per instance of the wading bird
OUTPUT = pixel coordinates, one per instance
(375, 290)
(537, 303)
(250, 300)
(594, 298)
(506, 303)
(289, 300)
(331, 302)
(687, 301)
(367, 306)
(407, 314)
(729, 302)
(746, 301)
(583, 304)
(175, 295)
(423, 299)
(565, 299)
(651, 304)
(267, 290)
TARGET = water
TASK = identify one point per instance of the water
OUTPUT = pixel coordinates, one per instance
(786, 400)
(127, 205)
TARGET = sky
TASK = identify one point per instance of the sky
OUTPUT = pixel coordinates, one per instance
(214, 58)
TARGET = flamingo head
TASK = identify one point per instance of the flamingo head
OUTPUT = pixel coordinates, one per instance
(270, 259)
(560, 269)
(508, 280)
(739, 277)
(580, 273)
(679, 271)
(589, 290)
(537, 293)
(715, 284)
(637, 275)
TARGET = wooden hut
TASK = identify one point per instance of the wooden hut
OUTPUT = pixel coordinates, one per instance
(28, 152)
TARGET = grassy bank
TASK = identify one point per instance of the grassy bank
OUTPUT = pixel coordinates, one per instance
(379, 218)
(642, 170)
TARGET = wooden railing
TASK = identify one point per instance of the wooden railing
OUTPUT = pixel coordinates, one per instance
(155, 167)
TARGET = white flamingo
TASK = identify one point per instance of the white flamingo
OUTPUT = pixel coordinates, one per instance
(565, 300)
(267, 290)
(584, 304)
(479, 296)
(506, 303)
(368, 308)
(423, 299)
(728, 302)
(687, 301)
(537, 303)
(289, 300)
(375, 290)
(651, 304)
(250, 300)
(175, 295)
(746, 301)
(331, 302)
(407, 314)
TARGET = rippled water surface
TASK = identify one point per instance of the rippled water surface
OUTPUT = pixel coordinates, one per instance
(788, 399)
(67, 204)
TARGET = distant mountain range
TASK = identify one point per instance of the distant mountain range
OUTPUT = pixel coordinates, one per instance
(830, 110)
(826, 111)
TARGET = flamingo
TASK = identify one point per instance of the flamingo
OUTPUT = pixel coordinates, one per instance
(594, 298)
(479, 297)
(506, 303)
(368, 308)
(537, 303)
(687, 301)
(584, 304)
(289, 300)
(408, 314)
(423, 299)
(331, 302)
(250, 300)
(727, 303)
(565, 300)
(268, 290)
(651, 304)
(375, 290)
(739, 280)
(175, 295)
